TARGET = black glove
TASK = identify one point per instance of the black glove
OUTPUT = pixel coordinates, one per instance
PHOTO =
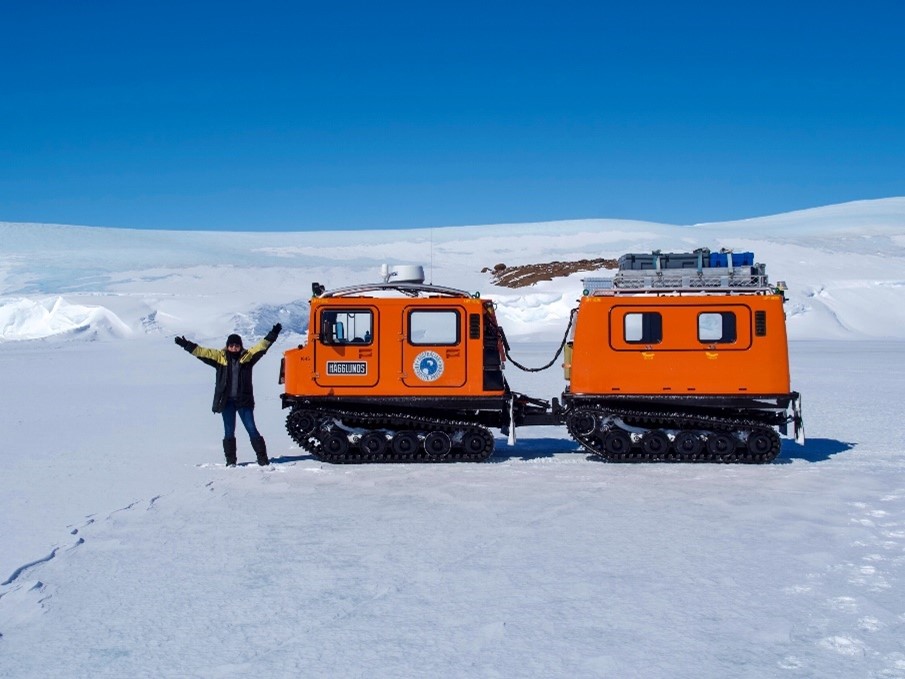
(274, 331)
(185, 344)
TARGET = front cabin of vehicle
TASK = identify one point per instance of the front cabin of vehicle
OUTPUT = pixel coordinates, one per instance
(401, 372)
(440, 343)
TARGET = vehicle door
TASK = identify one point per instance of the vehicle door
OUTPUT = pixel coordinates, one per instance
(346, 347)
(433, 347)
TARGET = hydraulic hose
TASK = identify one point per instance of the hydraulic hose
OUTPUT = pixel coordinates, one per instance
(562, 345)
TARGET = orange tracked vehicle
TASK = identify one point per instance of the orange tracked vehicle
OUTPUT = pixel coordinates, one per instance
(400, 371)
(664, 363)
(681, 357)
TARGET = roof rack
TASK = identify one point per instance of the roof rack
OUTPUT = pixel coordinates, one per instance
(701, 271)
(634, 282)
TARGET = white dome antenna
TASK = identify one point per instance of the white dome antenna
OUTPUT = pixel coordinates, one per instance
(405, 273)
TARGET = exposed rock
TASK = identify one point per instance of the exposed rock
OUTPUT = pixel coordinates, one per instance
(528, 274)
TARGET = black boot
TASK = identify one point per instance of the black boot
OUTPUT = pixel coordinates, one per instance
(260, 449)
(229, 449)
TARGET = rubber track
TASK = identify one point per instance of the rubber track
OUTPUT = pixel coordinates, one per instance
(699, 424)
(326, 424)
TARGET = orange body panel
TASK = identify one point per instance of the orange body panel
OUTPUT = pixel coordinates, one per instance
(394, 347)
(662, 345)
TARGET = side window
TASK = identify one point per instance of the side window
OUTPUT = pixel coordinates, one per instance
(643, 328)
(347, 326)
(717, 327)
(434, 327)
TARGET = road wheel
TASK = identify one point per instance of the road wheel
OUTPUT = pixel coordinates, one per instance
(721, 447)
(688, 445)
(655, 443)
(373, 444)
(405, 443)
(437, 445)
(617, 442)
(336, 445)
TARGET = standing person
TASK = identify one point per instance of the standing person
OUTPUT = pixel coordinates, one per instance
(233, 392)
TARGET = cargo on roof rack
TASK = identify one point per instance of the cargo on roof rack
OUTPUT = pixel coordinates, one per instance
(678, 272)
(657, 260)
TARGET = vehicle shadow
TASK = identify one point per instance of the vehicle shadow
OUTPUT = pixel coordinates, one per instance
(533, 449)
(813, 450)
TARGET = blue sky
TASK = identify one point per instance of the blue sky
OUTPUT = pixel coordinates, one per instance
(353, 115)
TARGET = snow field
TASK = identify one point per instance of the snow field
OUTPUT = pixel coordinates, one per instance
(128, 549)
(542, 562)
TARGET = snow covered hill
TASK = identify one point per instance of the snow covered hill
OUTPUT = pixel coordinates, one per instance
(128, 549)
(844, 265)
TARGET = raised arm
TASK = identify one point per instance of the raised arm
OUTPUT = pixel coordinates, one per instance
(212, 357)
(255, 353)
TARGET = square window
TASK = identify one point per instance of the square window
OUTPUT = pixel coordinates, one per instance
(643, 328)
(347, 327)
(434, 327)
(717, 327)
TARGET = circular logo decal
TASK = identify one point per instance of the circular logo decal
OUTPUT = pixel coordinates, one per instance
(428, 366)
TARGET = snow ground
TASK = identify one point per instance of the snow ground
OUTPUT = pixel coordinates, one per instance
(127, 549)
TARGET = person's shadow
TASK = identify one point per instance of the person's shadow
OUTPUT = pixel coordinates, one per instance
(283, 459)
